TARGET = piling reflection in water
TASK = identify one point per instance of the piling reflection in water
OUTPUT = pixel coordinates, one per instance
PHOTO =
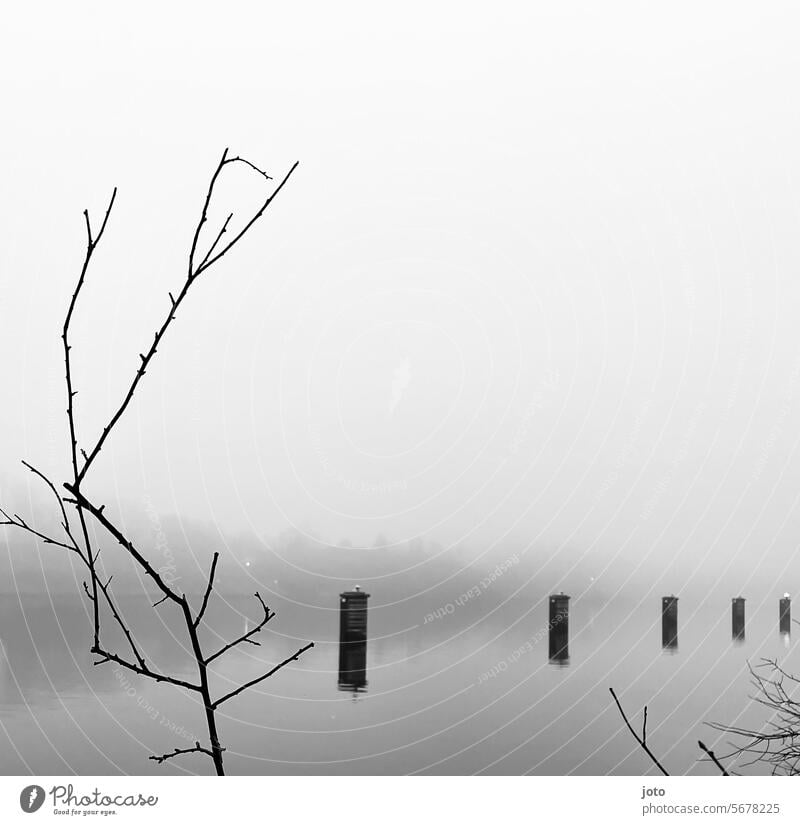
(353, 635)
(737, 619)
(353, 641)
(558, 626)
(669, 624)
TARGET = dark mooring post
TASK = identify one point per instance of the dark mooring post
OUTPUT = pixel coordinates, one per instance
(353, 640)
(669, 623)
(785, 615)
(737, 619)
(558, 626)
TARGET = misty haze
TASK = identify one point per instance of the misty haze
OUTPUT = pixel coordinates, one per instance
(522, 324)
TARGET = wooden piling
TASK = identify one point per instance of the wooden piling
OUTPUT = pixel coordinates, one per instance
(353, 640)
(669, 623)
(737, 619)
(558, 629)
(785, 615)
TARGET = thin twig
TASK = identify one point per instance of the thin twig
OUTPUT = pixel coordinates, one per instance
(636, 736)
(247, 636)
(777, 744)
(198, 748)
(18, 521)
(249, 224)
(207, 595)
(216, 240)
(148, 568)
(176, 302)
(713, 758)
(65, 520)
(142, 671)
(251, 165)
(274, 670)
(91, 245)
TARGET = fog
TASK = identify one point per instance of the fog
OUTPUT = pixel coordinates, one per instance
(532, 289)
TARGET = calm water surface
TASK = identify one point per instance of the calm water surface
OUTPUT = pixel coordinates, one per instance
(463, 694)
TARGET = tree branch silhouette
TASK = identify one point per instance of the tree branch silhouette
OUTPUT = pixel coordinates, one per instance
(98, 590)
(193, 273)
(247, 636)
(712, 757)
(274, 670)
(198, 748)
(777, 743)
(642, 739)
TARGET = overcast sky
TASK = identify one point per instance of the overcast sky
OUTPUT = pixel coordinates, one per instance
(536, 277)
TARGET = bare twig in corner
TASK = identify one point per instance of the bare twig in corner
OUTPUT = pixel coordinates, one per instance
(713, 758)
(774, 745)
(640, 739)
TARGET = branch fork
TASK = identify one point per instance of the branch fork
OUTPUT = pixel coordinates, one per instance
(97, 588)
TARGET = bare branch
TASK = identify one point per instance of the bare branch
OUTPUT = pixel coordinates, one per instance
(89, 562)
(244, 230)
(713, 758)
(644, 726)
(91, 244)
(96, 588)
(98, 513)
(179, 751)
(192, 275)
(207, 595)
(104, 589)
(18, 521)
(204, 214)
(777, 744)
(141, 670)
(639, 739)
(274, 670)
(251, 165)
(64, 519)
(247, 636)
(217, 240)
